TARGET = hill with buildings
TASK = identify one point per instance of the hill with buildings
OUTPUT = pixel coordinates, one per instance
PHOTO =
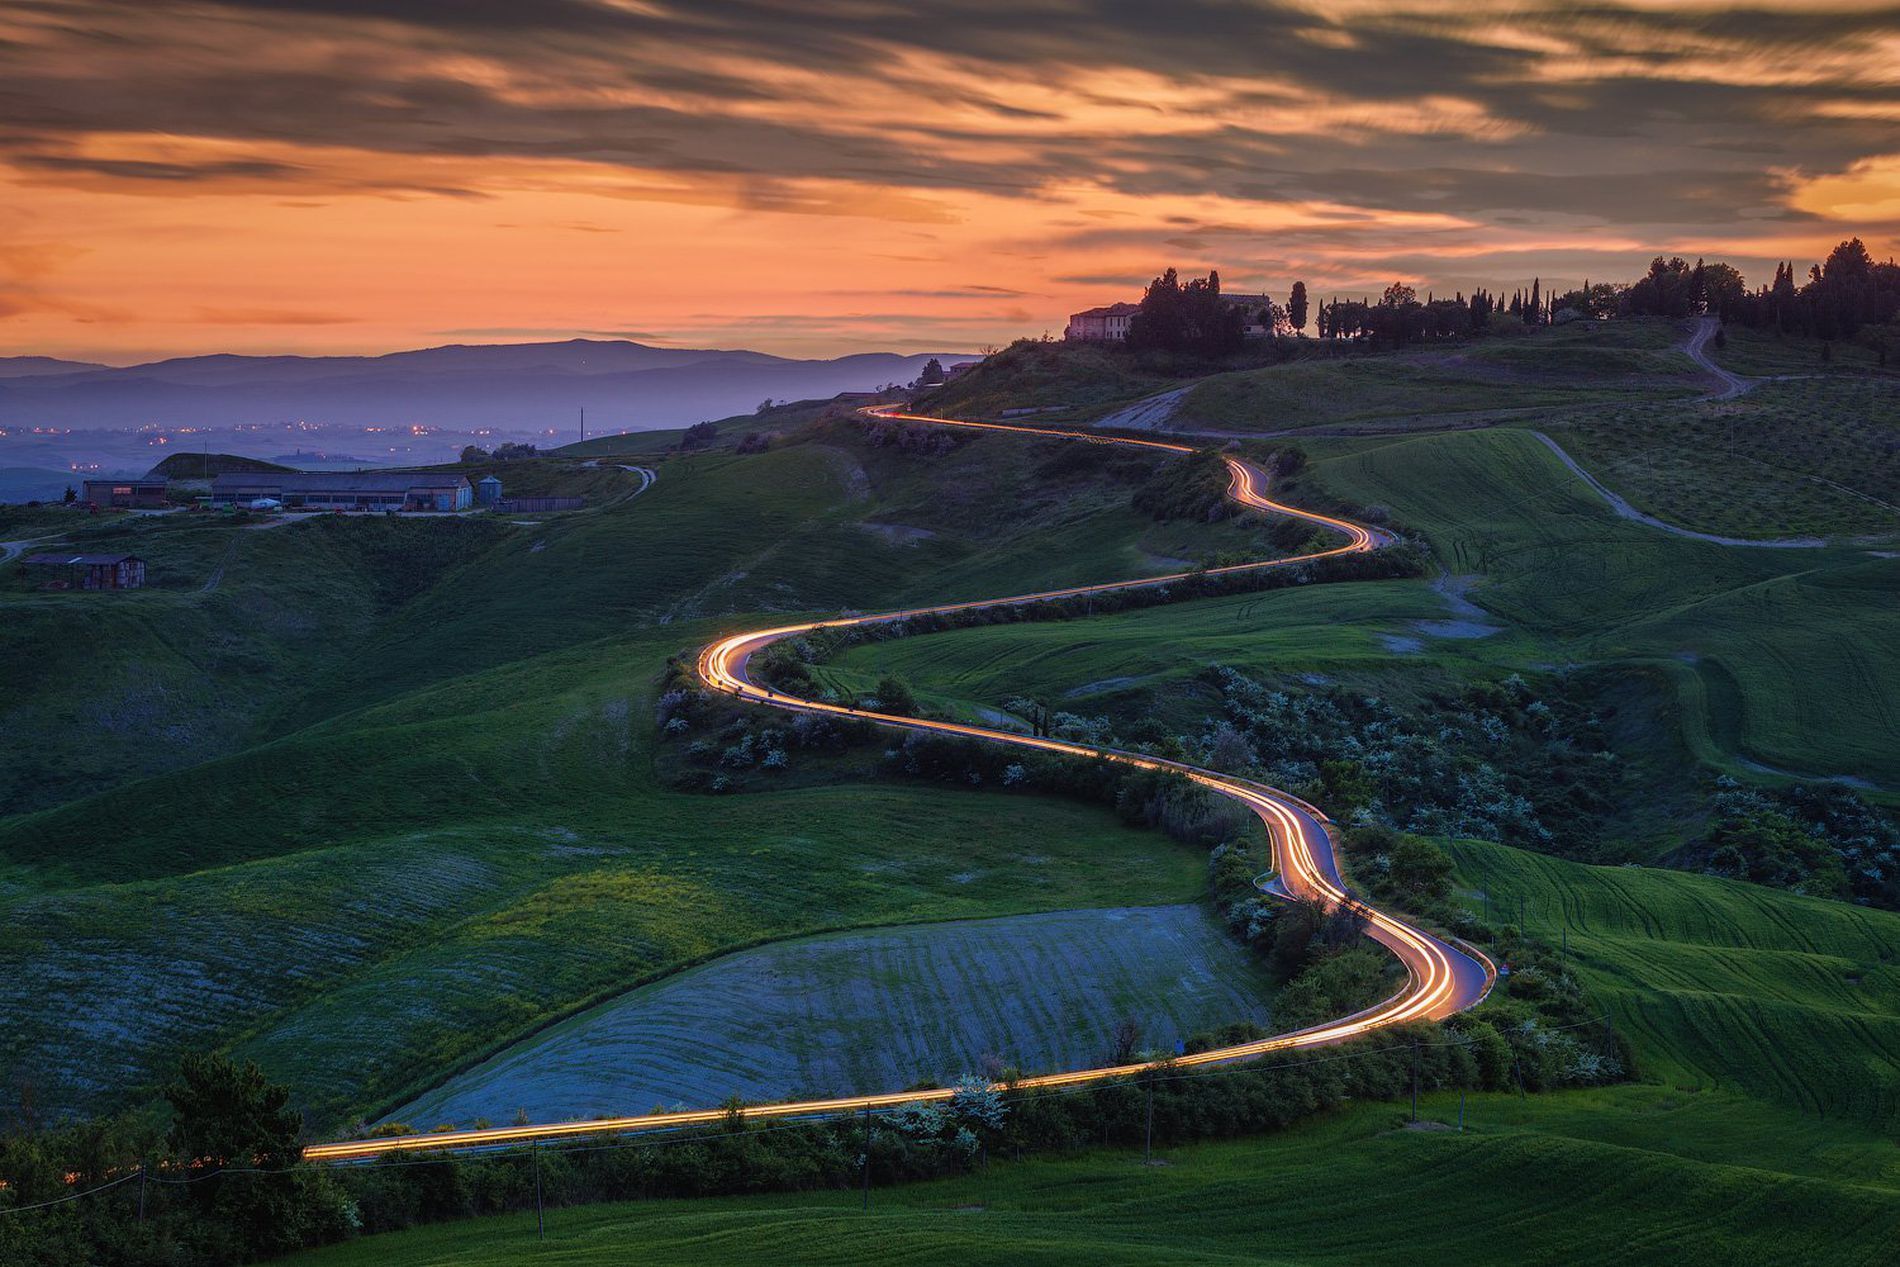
(422, 813)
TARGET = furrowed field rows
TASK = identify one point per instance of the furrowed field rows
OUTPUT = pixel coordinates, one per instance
(1350, 1188)
(865, 1011)
(1794, 999)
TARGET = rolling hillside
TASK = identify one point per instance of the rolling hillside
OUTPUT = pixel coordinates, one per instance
(448, 830)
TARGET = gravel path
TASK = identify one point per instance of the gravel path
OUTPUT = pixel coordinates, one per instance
(1147, 414)
(1733, 385)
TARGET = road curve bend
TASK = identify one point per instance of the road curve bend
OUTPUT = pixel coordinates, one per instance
(1441, 978)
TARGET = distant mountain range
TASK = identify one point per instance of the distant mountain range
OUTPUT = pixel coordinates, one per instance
(517, 386)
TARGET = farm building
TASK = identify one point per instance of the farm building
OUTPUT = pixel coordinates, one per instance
(1108, 323)
(344, 490)
(488, 490)
(88, 571)
(129, 493)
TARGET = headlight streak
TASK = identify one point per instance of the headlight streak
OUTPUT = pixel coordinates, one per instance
(1440, 979)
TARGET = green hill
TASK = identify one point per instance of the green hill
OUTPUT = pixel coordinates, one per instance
(1352, 1188)
(1490, 380)
(440, 824)
(202, 466)
(1763, 1025)
(1793, 1000)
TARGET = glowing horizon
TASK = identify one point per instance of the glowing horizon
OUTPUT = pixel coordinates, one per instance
(823, 178)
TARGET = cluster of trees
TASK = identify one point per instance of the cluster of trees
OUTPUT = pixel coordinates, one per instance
(1825, 841)
(1186, 317)
(1841, 297)
(510, 452)
(1505, 761)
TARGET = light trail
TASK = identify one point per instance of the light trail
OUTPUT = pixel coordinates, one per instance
(1441, 979)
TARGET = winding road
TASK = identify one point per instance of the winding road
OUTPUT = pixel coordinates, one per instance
(1442, 978)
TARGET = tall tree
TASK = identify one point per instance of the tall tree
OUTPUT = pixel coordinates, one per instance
(1296, 307)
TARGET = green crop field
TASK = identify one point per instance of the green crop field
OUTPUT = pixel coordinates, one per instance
(1791, 651)
(1762, 1023)
(1766, 352)
(1792, 1000)
(1781, 658)
(1625, 361)
(1805, 457)
(1671, 1178)
(866, 1011)
(416, 841)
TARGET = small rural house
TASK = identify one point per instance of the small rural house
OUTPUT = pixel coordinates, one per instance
(62, 570)
(128, 494)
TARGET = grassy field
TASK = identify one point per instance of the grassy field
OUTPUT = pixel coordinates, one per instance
(1567, 366)
(1628, 1175)
(1765, 352)
(867, 1011)
(113, 686)
(1782, 658)
(451, 832)
(1792, 1000)
(1792, 651)
(1805, 457)
(1763, 1024)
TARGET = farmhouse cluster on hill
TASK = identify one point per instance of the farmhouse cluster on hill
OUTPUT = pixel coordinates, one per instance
(1109, 323)
(344, 490)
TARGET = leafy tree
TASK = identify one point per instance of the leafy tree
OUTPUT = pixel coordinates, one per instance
(933, 373)
(1190, 317)
(474, 453)
(1420, 869)
(236, 1130)
(226, 1114)
(1398, 295)
(894, 696)
(1296, 307)
(699, 435)
(72, 495)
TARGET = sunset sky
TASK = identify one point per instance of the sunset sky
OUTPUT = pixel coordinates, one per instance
(826, 176)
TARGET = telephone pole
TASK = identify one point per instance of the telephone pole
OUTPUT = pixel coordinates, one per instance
(1415, 1079)
(583, 424)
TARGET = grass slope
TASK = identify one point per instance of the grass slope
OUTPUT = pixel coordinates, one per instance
(1810, 456)
(1794, 1000)
(1793, 652)
(452, 832)
(377, 899)
(871, 1010)
(1611, 1176)
(1619, 361)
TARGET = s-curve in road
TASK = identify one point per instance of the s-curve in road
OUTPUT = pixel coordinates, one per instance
(1441, 978)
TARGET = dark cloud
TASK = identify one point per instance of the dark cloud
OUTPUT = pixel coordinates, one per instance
(1644, 117)
(146, 169)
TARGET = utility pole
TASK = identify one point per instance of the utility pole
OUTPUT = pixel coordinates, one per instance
(1415, 1079)
(583, 424)
(1461, 1108)
(867, 1157)
(141, 1190)
(1148, 1150)
(540, 1217)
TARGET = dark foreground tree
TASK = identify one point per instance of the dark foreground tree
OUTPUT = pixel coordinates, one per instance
(235, 1134)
